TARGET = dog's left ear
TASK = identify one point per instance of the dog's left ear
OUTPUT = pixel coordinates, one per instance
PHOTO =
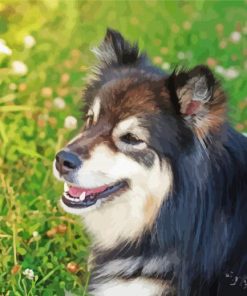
(198, 97)
(116, 51)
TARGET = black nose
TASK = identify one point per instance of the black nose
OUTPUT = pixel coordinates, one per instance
(66, 162)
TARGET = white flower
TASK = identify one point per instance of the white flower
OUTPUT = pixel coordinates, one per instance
(219, 69)
(35, 234)
(166, 66)
(12, 86)
(181, 55)
(231, 73)
(29, 274)
(70, 122)
(68, 293)
(29, 41)
(235, 37)
(4, 49)
(59, 103)
(19, 68)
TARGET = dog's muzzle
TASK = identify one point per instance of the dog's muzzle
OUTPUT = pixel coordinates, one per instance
(68, 164)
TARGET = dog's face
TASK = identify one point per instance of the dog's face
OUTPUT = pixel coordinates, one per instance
(113, 169)
(117, 171)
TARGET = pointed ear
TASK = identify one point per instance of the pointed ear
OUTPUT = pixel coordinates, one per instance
(115, 50)
(199, 99)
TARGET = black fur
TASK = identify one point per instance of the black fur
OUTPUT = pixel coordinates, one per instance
(204, 221)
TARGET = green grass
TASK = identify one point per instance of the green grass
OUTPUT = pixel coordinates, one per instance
(34, 232)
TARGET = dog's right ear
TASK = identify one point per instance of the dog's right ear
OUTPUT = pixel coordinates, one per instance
(116, 51)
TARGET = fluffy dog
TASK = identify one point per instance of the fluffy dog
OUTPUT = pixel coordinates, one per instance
(159, 177)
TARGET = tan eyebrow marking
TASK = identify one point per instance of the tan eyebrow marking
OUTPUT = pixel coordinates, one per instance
(95, 109)
(130, 124)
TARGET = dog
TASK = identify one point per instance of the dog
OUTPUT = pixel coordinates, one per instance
(159, 177)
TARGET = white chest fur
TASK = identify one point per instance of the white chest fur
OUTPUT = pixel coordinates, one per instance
(136, 287)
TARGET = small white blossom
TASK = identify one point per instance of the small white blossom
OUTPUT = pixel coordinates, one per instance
(19, 68)
(166, 66)
(68, 293)
(181, 55)
(4, 49)
(29, 41)
(29, 274)
(59, 103)
(12, 86)
(235, 37)
(219, 69)
(70, 122)
(231, 73)
(35, 234)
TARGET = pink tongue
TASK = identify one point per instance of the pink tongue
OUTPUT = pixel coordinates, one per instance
(76, 192)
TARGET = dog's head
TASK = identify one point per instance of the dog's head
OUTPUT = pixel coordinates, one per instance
(118, 170)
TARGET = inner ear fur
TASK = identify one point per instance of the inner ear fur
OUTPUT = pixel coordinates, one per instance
(199, 99)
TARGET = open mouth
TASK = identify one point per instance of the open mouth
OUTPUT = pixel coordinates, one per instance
(76, 197)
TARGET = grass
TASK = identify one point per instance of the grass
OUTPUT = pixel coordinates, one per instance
(34, 233)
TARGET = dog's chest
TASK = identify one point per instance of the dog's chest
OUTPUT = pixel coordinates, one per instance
(134, 287)
(135, 276)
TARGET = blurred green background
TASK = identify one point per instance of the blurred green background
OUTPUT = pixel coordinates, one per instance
(44, 58)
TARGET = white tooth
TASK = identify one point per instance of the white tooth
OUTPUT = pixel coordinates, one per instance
(66, 195)
(83, 195)
(66, 187)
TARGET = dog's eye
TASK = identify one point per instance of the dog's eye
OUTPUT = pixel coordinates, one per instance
(130, 139)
